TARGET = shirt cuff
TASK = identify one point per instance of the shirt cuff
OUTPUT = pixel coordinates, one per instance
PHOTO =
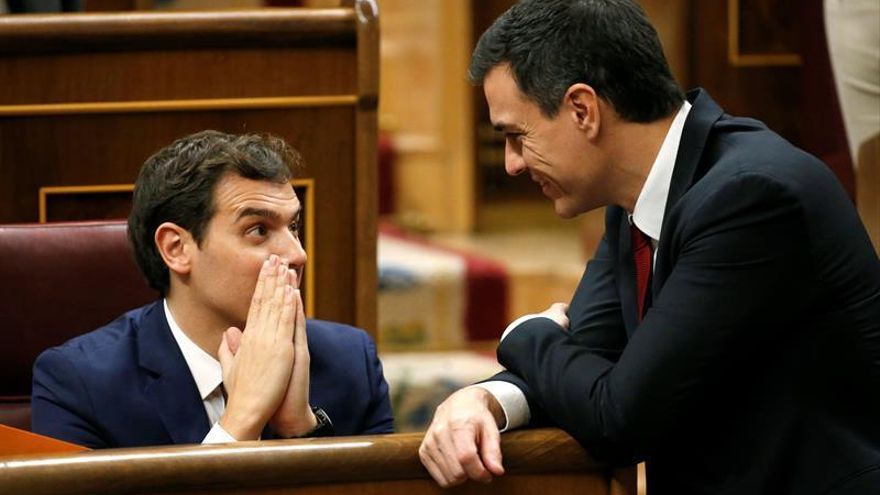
(513, 403)
(218, 435)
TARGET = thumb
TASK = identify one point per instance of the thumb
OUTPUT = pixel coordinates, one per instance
(224, 353)
(561, 310)
(233, 338)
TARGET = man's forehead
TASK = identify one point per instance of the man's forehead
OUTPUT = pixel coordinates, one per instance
(507, 103)
(238, 195)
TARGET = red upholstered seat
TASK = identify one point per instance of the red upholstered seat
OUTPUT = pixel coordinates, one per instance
(57, 281)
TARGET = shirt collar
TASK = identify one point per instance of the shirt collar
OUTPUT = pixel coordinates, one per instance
(651, 203)
(205, 369)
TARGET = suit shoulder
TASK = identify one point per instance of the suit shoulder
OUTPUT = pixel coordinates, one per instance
(95, 346)
(336, 334)
(741, 149)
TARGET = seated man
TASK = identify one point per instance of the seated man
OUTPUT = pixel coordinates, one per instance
(214, 227)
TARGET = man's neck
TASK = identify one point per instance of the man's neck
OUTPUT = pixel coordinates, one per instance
(202, 327)
(634, 149)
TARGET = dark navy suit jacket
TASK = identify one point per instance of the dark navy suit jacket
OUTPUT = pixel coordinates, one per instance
(757, 368)
(127, 384)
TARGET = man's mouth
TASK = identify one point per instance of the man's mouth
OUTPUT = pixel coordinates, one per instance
(546, 186)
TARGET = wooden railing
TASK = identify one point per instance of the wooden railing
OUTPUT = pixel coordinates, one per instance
(545, 461)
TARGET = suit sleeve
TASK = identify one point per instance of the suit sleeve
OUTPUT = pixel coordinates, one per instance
(60, 404)
(378, 417)
(736, 282)
(596, 323)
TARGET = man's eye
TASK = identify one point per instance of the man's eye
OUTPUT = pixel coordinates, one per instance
(294, 227)
(257, 230)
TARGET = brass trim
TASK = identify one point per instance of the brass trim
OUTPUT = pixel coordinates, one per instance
(101, 188)
(309, 200)
(737, 59)
(112, 107)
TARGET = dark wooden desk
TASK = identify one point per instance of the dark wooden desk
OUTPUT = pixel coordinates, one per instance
(544, 461)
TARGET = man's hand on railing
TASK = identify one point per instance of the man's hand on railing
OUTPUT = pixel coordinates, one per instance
(463, 441)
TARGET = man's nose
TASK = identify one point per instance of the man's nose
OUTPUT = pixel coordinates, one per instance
(513, 161)
(293, 251)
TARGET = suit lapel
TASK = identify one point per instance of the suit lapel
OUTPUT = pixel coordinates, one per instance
(171, 388)
(626, 266)
(700, 120)
(703, 115)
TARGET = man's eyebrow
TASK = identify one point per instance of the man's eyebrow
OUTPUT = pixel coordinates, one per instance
(502, 126)
(264, 213)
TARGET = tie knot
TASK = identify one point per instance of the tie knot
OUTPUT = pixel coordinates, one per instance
(640, 239)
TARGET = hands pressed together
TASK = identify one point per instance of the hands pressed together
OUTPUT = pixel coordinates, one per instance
(266, 367)
(464, 441)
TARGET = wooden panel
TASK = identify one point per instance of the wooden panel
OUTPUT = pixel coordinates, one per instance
(85, 99)
(151, 31)
(75, 203)
(770, 92)
(544, 461)
(763, 33)
(205, 73)
(115, 159)
(365, 173)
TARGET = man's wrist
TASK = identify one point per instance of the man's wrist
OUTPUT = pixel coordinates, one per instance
(324, 428)
(496, 409)
(305, 424)
(511, 400)
(239, 429)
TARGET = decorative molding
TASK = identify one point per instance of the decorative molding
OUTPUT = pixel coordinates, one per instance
(112, 107)
(737, 59)
(308, 200)
(45, 192)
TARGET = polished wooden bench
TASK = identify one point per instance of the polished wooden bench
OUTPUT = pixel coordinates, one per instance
(545, 461)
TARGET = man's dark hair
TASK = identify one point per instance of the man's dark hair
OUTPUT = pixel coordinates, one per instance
(177, 184)
(607, 44)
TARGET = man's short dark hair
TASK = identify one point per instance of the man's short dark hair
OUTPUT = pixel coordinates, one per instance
(607, 44)
(177, 184)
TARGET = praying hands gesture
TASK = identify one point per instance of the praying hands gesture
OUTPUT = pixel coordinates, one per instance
(266, 367)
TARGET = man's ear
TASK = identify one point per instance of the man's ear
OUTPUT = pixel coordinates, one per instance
(581, 103)
(175, 245)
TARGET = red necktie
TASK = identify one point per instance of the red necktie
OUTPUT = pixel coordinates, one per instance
(642, 255)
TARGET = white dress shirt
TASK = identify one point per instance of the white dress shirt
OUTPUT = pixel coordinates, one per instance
(647, 215)
(208, 376)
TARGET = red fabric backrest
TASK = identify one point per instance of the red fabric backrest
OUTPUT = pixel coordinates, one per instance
(57, 281)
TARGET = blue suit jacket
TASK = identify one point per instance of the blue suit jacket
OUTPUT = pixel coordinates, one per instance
(757, 368)
(127, 384)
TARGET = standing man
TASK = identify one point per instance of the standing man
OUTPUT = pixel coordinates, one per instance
(215, 229)
(727, 330)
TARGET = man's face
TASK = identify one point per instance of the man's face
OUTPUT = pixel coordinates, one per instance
(554, 152)
(252, 220)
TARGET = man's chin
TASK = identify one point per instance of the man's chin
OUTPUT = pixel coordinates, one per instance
(563, 210)
(567, 210)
